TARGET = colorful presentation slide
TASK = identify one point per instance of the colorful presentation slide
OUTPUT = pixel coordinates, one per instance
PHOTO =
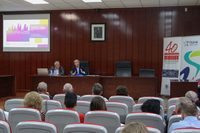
(26, 34)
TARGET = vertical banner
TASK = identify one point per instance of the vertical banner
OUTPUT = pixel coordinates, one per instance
(171, 62)
(190, 58)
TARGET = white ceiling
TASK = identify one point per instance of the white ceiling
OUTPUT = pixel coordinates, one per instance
(21, 5)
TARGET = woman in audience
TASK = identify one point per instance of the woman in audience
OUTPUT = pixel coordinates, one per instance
(122, 90)
(135, 127)
(152, 106)
(98, 103)
(34, 100)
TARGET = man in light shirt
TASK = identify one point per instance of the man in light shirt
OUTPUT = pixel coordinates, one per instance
(190, 117)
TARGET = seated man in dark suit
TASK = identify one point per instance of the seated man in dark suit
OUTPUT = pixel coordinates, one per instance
(78, 69)
(57, 69)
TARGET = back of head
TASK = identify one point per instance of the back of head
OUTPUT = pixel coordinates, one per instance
(98, 103)
(152, 106)
(189, 109)
(33, 100)
(97, 89)
(135, 127)
(181, 101)
(42, 86)
(70, 100)
(192, 96)
(67, 88)
(122, 90)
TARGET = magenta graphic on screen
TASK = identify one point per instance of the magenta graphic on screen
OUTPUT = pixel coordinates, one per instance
(18, 34)
(38, 31)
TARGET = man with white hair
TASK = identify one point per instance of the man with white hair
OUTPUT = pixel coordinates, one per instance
(78, 69)
(42, 89)
(68, 88)
(192, 96)
(57, 69)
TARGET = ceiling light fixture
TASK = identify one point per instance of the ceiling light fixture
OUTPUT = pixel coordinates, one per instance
(37, 1)
(89, 1)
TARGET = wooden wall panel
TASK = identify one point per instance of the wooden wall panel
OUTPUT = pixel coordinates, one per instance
(134, 35)
(148, 47)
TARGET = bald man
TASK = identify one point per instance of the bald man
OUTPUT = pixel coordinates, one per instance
(192, 96)
(68, 88)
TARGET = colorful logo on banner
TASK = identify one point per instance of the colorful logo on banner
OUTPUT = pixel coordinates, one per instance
(190, 43)
(187, 58)
(171, 55)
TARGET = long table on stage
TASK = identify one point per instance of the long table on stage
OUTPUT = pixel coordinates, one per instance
(137, 86)
(180, 87)
(7, 85)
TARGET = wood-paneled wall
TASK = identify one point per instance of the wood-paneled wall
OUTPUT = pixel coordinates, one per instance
(134, 35)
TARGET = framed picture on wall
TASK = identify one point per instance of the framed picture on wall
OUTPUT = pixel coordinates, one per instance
(98, 32)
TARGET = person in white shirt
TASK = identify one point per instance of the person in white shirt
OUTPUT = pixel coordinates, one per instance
(189, 115)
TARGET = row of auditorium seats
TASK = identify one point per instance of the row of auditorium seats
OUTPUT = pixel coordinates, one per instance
(83, 107)
(83, 104)
(63, 117)
(124, 69)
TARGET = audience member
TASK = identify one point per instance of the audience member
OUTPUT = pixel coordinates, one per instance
(122, 90)
(68, 88)
(42, 89)
(98, 103)
(179, 103)
(135, 127)
(189, 115)
(71, 102)
(152, 106)
(192, 96)
(34, 100)
(98, 90)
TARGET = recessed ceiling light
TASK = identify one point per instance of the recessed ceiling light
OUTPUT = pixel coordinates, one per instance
(37, 1)
(87, 1)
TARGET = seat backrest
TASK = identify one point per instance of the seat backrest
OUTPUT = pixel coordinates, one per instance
(35, 127)
(19, 114)
(12, 103)
(174, 118)
(147, 73)
(110, 120)
(186, 130)
(124, 69)
(5, 127)
(84, 128)
(152, 129)
(149, 119)
(120, 108)
(86, 66)
(172, 101)
(119, 129)
(44, 96)
(78, 97)
(61, 98)
(50, 104)
(125, 99)
(62, 117)
(170, 111)
(89, 97)
(143, 99)
(137, 108)
(82, 106)
(2, 115)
